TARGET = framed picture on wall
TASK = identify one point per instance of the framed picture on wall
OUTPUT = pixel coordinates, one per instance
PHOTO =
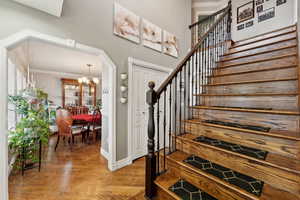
(152, 35)
(266, 14)
(259, 8)
(240, 27)
(126, 24)
(170, 44)
(249, 24)
(258, 2)
(280, 2)
(245, 12)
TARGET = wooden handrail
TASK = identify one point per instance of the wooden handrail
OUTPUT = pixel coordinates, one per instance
(191, 53)
(208, 17)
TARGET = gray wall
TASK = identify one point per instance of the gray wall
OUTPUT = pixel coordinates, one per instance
(284, 16)
(90, 22)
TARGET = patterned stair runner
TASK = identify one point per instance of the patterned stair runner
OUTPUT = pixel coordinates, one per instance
(242, 181)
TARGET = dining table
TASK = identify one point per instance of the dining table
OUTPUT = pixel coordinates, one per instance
(86, 119)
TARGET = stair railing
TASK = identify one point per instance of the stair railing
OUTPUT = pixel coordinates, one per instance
(172, 103)
(199, 28)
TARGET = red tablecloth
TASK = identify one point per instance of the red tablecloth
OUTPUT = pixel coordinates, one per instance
(86, 117)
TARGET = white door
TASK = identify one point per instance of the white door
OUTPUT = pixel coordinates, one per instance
(141, 77)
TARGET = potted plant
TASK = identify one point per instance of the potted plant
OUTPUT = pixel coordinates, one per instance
(32, 127)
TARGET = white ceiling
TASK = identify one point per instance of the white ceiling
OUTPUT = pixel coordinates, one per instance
(53, 7)
(48, 57)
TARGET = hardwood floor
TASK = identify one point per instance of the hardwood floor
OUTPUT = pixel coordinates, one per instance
(78, 175)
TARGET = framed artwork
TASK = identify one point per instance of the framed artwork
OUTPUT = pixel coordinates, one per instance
(245, 12)
(266, 14)
(249, 24)
(126, 24)
(280, 2)
(258, 2)
(170, 44)
(259, 8)
(152, 35)
(240, 27)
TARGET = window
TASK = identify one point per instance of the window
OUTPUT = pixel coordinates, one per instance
(16, 83)
(11, 91)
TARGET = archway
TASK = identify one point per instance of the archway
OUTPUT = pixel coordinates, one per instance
(110, 93)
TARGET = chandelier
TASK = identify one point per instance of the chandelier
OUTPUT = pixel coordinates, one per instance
(89, 79)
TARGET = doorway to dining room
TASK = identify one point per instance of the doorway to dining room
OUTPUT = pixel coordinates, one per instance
(75, 77)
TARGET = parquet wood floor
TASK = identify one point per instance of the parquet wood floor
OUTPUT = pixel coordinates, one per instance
(78, 175)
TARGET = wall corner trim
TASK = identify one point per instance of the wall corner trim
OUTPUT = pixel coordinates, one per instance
(105, 154)
(121, 163)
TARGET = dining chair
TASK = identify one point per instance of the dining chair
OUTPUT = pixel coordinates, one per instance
(96, 124)
(65, 126)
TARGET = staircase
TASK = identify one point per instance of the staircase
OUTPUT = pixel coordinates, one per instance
(225, 125)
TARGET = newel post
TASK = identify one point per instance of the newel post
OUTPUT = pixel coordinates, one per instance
(151, 158)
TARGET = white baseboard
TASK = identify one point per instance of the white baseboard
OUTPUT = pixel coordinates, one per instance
(105, 154)
(121, 163)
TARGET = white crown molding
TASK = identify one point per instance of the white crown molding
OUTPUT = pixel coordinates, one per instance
(58, 74)
(55, 73)
(209, 4)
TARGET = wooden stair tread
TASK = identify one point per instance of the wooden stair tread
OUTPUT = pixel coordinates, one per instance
(190, 138)
(251, 71)
(262, 39)
(165, 181)
(277, 134)
(259, 53)
(260, 46)
(258, 60)
(249, 82)
(279, 112)
(251, 95)
(179, 158)
(293, 27)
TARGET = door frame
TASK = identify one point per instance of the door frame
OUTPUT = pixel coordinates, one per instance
(132, 64)
(14, 40)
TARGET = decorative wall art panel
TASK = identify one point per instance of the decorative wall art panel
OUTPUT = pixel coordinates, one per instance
(260, 8)
(280, 2)
(152, 35)
(266, 14)
(245, 12)
(170, 46)
(240, 27)
(259, 2)
(126, 24)
(249, 24)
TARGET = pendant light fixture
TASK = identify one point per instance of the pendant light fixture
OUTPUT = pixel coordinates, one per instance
(89, 79)
(30, 83)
